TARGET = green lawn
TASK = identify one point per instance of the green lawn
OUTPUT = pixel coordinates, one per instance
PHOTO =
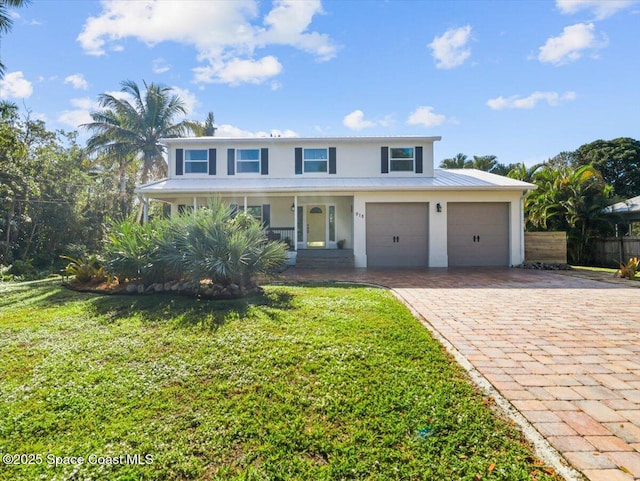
(324, 382)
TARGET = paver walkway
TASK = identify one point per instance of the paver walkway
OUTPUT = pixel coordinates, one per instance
(563, 350)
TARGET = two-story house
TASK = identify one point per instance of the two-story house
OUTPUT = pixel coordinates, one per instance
(379, 197)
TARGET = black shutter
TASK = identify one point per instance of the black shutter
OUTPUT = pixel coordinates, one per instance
(332, 160)
(264, 161)
(231, 162)
(384, 160)
(179, 161)
(418, 160)
(266, 215)
(212, 161)
(298, 160)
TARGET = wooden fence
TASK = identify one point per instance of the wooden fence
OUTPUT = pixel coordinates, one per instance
(610, 251)
(546, 247)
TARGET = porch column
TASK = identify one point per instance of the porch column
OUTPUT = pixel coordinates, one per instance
(295, 222)
(145, 210)
(245, 204)
(195, 204)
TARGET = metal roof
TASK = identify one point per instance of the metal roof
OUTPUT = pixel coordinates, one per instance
(631, 205)
(458, 179)
(299, 140)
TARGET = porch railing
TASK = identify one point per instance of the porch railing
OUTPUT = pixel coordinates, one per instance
(284, 234)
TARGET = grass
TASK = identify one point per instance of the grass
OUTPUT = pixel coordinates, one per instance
(325, 382)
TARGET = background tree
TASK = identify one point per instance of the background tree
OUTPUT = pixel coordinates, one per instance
(460, 161)
(5, 21)
(485, 162)
(206, 128)
(135, 128)
(618, 161)
(570, 200)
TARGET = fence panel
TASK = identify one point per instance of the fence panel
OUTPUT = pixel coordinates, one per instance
(610, 251)
(546, 247)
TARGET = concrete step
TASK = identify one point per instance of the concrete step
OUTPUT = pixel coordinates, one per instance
(324, 258)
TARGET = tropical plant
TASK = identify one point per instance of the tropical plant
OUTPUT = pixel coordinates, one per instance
(628, 270)
(206, 128)
(135, 127)
(85, 269)
(460, 161)
(572, 201)
(213, 244)
(130, 251)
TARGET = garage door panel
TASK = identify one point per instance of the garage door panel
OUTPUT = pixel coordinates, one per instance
(397, 234)
(478, 233)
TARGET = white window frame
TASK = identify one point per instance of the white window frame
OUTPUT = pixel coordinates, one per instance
(258, 208)
(188, 161)
(393, 159)
(240, 162)
(305, 160)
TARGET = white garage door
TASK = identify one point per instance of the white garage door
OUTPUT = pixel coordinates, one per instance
(478, 233)
(397, 234)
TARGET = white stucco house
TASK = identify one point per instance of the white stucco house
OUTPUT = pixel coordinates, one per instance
(381, 196)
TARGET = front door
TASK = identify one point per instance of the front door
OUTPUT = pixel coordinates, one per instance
(316, 226)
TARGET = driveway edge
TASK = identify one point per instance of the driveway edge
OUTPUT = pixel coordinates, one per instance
(542, 447)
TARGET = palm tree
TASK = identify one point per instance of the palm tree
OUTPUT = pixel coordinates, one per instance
(6, 22)
(485, 162)
(460, 161)
(572, 201)
(206, 128)
(126, 128)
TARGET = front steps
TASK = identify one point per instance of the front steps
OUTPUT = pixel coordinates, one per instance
(324, 258)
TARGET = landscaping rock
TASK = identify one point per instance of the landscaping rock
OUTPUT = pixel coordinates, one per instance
(141, 289)
(158, 287)
(131, 289)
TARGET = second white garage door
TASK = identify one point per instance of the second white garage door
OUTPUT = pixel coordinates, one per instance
(397, 234)
(478, 233)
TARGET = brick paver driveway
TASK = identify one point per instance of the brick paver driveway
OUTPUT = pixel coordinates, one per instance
(563, 350)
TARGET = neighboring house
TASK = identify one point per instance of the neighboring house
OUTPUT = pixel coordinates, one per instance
(380, 195)
(627, 214)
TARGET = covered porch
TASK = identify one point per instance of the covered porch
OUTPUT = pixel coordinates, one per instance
(314, 222)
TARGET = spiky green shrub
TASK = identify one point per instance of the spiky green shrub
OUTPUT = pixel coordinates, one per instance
(131, 249)
(213, 244)
(84, 269)
(210, 244)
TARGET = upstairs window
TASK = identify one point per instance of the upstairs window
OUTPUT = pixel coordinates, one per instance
(248, 161)
(196, 161)
(315, 160)
(401, 159)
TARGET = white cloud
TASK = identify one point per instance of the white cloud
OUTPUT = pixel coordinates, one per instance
(449, 49)
(81, 114)
(188, 97)
(227, 130)
(426, 117)
(356, 121)
(15, 86)
(515, 102)
(159, 65)
(238, 71)
(225, 34)
(78, 81)
(600, 8)
(570, 45)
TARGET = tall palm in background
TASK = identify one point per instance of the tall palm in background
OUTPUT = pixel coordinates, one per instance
(133, 129)
(460, 161)
(6, 22)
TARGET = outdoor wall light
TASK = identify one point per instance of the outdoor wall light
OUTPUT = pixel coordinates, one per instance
(438, 207)
(293, 207)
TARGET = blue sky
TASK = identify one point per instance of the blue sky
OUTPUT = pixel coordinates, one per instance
(522, 80)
